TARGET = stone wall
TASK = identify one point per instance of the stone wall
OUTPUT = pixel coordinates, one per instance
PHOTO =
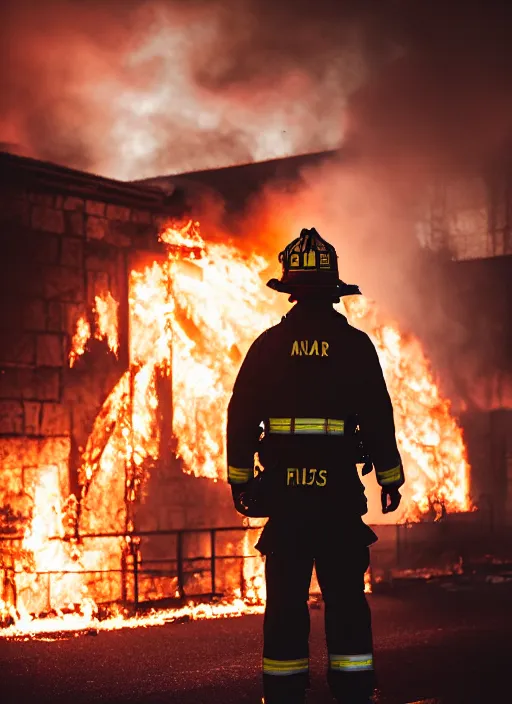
(59, 250)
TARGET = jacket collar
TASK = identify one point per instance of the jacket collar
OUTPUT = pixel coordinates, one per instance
(313, 310)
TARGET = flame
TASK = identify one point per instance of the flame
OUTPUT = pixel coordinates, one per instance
(187, 236)
(105, 312)
(368, 581)
(80, 339)
(254, 572)
(197, 314)
(430, 441)
(192, 318)
(105, 308)
(27, 629)
(51, 547)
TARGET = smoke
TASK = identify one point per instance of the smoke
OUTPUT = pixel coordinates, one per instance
(58, 59)
(407, 88)
(447, 102)
(442, 110)
(132, 89)
(443, 107)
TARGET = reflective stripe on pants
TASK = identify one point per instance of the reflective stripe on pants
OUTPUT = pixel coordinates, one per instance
(351, 663)
(285, 667)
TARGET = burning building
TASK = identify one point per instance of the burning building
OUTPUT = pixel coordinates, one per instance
(123, 330)
(87, 396)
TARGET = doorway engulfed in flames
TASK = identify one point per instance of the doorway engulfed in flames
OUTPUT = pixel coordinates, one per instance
(191, 317)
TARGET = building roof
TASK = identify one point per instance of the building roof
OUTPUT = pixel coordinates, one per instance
(236, 184)
(25, 172)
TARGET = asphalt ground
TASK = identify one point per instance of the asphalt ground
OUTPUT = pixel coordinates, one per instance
(451, 647)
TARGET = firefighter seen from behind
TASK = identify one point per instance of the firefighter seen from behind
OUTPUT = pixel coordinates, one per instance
(315, 386)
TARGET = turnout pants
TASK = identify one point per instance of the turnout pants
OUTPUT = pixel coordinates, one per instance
(340, 575)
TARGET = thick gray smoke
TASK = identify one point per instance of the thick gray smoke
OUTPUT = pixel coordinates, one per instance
(141, 87)
(136, 88)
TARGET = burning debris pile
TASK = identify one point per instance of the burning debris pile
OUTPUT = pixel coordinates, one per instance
(192, 316)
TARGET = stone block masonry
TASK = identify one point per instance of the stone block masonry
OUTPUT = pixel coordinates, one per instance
(67, 237)
(48, 219)
(96, 228)
(11, 418)
(30, 383)
(61, 249)
(49, 350)
(63, 284)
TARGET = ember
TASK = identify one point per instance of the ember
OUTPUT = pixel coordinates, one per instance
(188, 314)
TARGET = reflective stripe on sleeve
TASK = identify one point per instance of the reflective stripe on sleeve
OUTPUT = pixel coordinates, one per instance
(390, 476)
(351, 663)
(237, 475)
(335, 427)
(280, 425)
(310, 426)
(285, 667)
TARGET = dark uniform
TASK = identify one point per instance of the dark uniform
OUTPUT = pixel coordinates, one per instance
(304, 388)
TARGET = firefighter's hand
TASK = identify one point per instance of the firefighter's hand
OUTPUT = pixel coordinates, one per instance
(390, 499)
(243, 504)
(248, 505)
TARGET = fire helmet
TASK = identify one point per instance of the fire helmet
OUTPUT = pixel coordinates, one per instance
(311, 264)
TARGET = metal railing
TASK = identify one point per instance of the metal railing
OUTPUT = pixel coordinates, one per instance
(134, 567)
(399, 546)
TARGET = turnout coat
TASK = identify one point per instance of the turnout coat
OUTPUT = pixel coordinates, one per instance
(309, 389)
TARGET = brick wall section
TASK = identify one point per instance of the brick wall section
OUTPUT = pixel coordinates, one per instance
(59, 251)
(66, 251)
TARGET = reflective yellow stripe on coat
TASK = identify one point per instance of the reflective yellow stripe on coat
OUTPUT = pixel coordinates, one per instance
(285, 667)
(351, 663)
(306, 426)
(390, 476)
(237, 475)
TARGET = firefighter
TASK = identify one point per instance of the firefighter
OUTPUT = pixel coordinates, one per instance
(308, 390)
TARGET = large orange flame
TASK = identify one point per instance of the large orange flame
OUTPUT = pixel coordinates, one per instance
(430, 441)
